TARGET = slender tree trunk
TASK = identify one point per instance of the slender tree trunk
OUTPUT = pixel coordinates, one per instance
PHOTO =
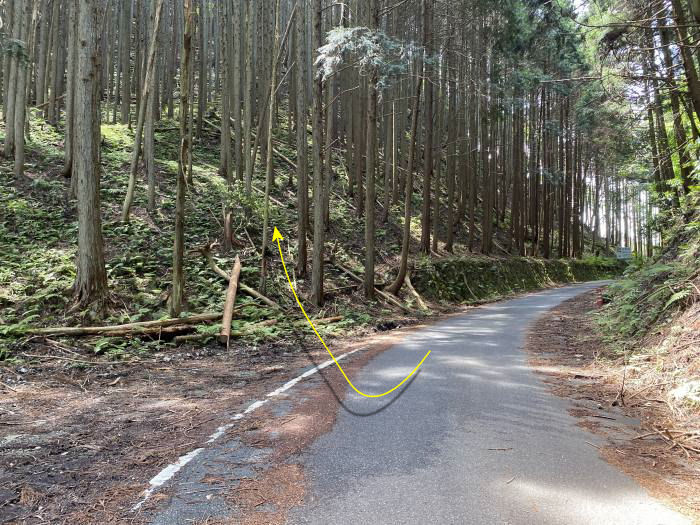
(15, 57)
(269, 171)
(317, 127)
(370, 195)
(451, 147)
(147, 89)
(395, 286)
(42, 65)
(125, 45)
(203, 66)
(236, 71)
(249, 95)
(20, 102)
(428, 143)
(178, 289)
(225, 158)
(302, 144)
(91, 276)
(151, 105)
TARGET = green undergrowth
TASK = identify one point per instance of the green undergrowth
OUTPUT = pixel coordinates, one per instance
(38, 232)
(652, 294)
(477, 279)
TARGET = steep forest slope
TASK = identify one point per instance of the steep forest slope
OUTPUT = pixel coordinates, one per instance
(145, 147)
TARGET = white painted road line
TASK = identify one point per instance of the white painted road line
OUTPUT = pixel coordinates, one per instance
(169, 472)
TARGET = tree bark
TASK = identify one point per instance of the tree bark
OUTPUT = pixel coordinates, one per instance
(91, 276)
(178, 289)
(269, 164)
(428, 143)
(125, 45)
(302, 144)
(370, 193)
(395, 286)
(147, 88)
(317, 129)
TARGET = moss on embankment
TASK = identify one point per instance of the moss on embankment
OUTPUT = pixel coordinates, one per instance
(479, 279)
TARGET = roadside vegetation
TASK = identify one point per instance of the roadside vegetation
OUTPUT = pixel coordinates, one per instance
(652, 325)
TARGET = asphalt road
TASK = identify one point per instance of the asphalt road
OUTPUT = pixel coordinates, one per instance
(475, 438)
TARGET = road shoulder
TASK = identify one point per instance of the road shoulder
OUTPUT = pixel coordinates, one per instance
(564, 348)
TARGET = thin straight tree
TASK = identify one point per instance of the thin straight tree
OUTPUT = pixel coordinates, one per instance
(301, 142)
(91, 276)
(178, 288)
(397, 284)
(317, 131)
(371, 134)
(269, 163)
(147, 89)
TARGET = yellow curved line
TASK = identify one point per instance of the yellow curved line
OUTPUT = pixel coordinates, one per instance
(331, 353)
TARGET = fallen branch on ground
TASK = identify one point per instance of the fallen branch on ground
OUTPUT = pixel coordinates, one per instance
(384, 295)
(143, 327)
(413, 291)
(234, 333)
(319, 322)
(206, 253)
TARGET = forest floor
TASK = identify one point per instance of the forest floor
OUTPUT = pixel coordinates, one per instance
(568, 350)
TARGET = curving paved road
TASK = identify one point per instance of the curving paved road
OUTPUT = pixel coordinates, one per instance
(427, 456)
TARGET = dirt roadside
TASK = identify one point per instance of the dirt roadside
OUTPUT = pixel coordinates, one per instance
(78, 444)
(564, 348)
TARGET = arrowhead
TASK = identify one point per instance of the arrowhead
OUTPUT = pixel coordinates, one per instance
(277, 236)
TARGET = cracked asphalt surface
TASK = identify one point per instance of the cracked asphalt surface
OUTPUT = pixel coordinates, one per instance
(475, 438)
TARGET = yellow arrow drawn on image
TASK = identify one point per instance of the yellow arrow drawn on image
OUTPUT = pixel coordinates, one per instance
(278, 237)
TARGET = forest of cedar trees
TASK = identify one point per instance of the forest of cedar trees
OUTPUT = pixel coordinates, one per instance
(147, 142)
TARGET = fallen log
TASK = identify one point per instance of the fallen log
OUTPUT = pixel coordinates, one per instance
(384, 295)
(415, 294)
(319, 322)
(125, 329)
(239, 333)
(225, 335)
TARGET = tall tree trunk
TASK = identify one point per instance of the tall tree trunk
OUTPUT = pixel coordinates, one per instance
(20, 103)
(225, 158)
(178, 289)
(428, 142)
(203, 66)
(396, 285)
(451, 147)
(125, 46)
(151, 103)
(236, 71)
(249, 94)
(370, 196)
(91, 276)
(15, 53)
(269, 171)
(147, 89)
(302, 143)
(317, 129)
(42, 65)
